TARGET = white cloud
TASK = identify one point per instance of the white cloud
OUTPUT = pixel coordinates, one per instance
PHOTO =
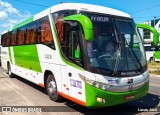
(3, 15)
(9, 16)
(9, 8)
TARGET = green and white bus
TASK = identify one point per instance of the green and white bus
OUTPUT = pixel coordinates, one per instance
(64, 50)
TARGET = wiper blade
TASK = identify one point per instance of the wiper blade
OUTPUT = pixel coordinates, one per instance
(117, 60)
(135, 56)
(137, 59)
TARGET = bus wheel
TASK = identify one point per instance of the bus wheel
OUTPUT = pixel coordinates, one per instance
(51, 87)
(11, 75)
(151, 59)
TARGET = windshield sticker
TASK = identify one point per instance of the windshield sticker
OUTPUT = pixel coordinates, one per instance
(75, 83)
(99, 19)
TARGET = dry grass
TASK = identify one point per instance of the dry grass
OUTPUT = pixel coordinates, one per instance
(154, 68)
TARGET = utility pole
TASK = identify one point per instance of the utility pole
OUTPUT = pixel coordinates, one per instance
(153, 44)
(154, 21)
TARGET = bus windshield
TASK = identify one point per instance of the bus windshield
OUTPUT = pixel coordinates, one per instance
(117, 45)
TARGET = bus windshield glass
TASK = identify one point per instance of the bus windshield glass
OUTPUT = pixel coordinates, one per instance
(117, 45)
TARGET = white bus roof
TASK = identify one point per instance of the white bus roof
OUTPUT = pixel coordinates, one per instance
(89, 7)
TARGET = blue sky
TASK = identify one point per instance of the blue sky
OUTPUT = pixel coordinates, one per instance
(14, 11)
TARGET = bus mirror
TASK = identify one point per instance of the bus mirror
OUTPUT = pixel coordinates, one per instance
(77, 54)
(151, 29)
(86, 24)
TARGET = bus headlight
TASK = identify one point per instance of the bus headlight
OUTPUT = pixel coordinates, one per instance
(99, 85)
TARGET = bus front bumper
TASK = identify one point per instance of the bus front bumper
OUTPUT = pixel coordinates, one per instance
(97, 98)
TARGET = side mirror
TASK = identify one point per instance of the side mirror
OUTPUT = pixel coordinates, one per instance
(86, 24)
(153, 30)
(77, 54)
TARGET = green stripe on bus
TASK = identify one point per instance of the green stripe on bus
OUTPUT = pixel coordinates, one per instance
(26, 56)
(111, 98)
(10, 57)
(23, 23)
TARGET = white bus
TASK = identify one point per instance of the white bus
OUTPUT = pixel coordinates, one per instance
(149, 52)
(89, 54)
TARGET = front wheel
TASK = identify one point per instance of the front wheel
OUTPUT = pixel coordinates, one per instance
(51, 88)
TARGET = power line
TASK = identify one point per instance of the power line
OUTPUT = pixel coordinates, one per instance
(32, 3)
(145, 9)
(147, 17)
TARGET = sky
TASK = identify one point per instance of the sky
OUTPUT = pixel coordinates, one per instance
(15, 11)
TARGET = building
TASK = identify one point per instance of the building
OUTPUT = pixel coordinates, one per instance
(147, 35)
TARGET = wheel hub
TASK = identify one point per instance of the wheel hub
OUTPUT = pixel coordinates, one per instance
(52, 87)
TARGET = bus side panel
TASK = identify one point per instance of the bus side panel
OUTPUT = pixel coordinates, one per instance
(26, 56)
(4, 57)
(25, 62)
(50, 60)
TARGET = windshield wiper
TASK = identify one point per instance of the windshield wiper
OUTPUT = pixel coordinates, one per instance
(118, 58)
(135, 57)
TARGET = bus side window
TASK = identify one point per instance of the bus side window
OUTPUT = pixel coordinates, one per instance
(3, 40)
(32, 33)
(8, 40)
(21, 33)
(44, 33)
(30, 36)
(13, 40)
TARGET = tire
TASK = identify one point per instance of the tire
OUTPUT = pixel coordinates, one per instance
(11, 75)
(51, 89)
(151, 59)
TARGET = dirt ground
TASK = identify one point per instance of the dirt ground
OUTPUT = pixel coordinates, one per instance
(154, 67)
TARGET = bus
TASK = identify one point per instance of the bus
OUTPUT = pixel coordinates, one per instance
(149, 52)
(63, 49)
(153, 48)
(152, 53)
(148, 36)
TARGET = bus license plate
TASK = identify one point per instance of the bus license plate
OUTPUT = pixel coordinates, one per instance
(128, 97)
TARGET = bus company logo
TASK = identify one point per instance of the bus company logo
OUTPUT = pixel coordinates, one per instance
(130, 88)
(130, 80)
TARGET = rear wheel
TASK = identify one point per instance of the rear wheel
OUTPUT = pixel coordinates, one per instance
(11, 75)
(51, 88)
(151, 59)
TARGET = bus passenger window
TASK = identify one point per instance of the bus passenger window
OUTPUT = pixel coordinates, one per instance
(21, 36)
(8, 39)
(46, 33)
(3, 40)
(60, 28)
(13, 40)
(27, 36)
(32, 34)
